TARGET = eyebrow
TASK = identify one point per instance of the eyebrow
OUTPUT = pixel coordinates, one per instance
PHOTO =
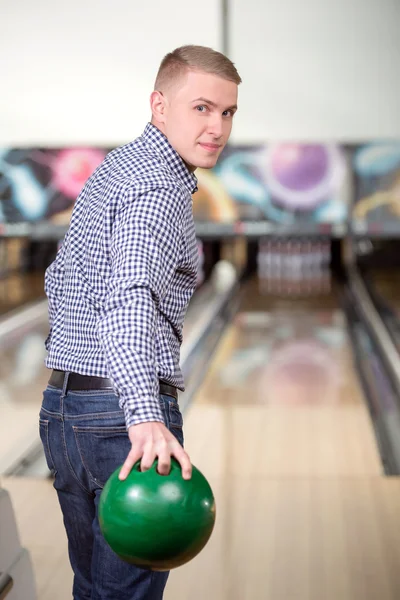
(211, 103)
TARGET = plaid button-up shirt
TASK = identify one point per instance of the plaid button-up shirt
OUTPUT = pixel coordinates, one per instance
(120, 285)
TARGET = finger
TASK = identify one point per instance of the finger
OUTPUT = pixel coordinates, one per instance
(148, 459)
(131, 459)
(164, 463)
(183, 458)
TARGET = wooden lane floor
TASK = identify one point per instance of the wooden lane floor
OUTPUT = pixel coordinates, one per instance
(281, 430)
(276, 538)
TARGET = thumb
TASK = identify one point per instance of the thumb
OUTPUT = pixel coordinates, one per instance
(126, 468)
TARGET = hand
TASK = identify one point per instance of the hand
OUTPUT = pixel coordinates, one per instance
(150, 440)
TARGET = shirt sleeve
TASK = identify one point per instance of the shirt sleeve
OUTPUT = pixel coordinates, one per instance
(54, 285)
(145, 252)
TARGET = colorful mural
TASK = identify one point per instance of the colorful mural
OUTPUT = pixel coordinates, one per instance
(281, 183)
(376, 169)
(42, 184)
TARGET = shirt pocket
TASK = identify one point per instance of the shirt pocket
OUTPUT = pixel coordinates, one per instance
(102, 450)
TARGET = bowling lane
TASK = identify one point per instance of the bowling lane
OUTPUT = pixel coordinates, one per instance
(284, 373)
(281, 429)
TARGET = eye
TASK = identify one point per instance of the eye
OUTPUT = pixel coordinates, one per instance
(227, 113)
(201, 108)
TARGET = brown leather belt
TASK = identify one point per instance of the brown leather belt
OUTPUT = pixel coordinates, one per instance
(88, 382)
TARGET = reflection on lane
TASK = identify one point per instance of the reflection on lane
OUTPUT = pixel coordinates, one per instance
(293, 359)
(288, 352)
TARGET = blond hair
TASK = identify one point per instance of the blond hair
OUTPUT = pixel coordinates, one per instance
(198, 58)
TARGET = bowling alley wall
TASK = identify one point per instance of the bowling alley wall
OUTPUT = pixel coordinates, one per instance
(315, 145)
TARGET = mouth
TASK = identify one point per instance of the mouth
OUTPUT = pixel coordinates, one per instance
(210, 147)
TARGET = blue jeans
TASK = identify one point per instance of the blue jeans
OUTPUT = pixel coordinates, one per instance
(85, 439)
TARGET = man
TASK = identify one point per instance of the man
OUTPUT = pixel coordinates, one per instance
(118, 292)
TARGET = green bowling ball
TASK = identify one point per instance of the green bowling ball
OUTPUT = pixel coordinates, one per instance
(154, 521)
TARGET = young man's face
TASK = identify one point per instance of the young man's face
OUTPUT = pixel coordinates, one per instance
(196, 116)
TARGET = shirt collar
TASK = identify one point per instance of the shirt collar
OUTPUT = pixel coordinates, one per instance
(153, 136)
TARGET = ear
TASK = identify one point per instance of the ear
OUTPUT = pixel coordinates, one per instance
(158, 106)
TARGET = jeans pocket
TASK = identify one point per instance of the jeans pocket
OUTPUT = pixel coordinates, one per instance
(102, 450)
(44, 436)
(174, 420)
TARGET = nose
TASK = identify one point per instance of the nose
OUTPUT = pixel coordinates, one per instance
(215, 126)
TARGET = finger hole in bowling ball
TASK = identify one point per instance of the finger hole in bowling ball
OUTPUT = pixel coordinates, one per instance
(163, 474)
